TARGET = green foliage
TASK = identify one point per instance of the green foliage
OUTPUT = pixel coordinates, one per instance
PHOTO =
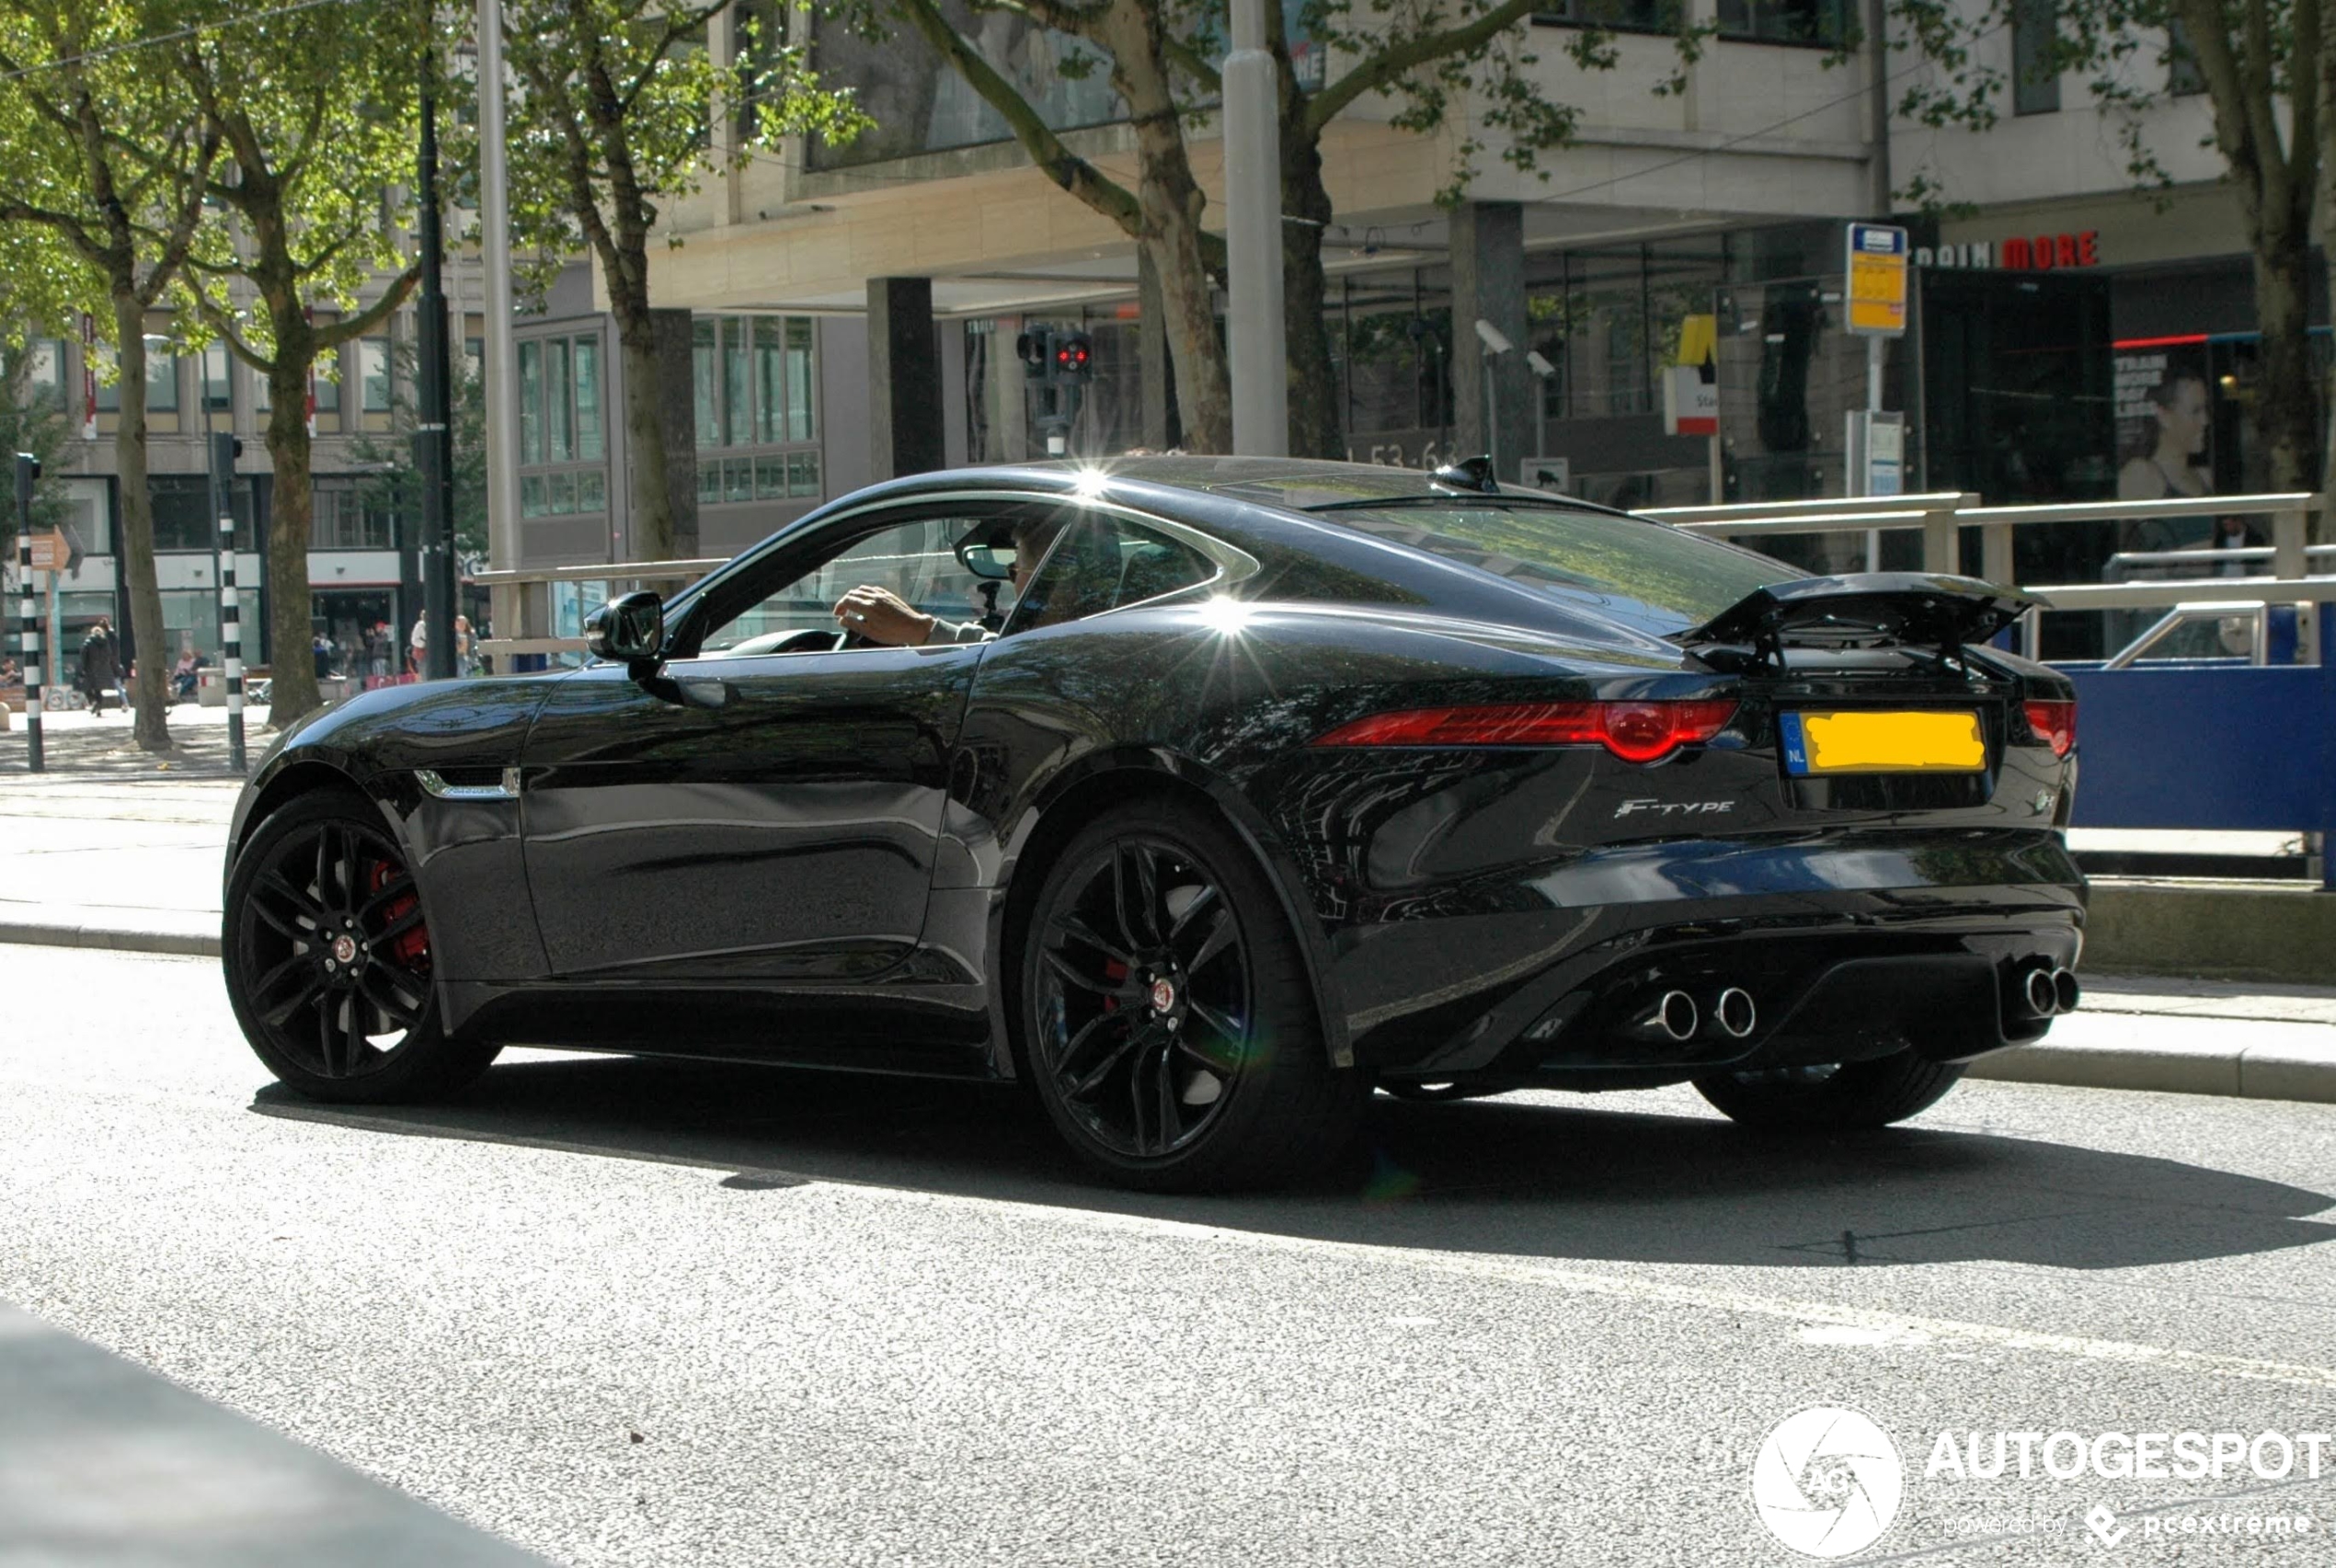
(318, 110)
(614, 113)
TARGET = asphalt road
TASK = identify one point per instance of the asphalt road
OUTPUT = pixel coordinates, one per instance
(645, 1314)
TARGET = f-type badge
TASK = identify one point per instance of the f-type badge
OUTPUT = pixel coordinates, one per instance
(1674, 808)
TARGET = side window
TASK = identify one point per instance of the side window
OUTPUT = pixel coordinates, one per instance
(1102, 563)
(915, 560)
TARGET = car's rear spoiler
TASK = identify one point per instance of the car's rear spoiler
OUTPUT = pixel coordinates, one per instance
(1919, 609)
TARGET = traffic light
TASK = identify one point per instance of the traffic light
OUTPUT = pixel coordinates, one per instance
(1036, 349)
(1074, 357)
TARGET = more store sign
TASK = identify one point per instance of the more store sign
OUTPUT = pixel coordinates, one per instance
(2021, 253)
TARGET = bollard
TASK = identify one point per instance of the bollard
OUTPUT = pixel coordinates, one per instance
(224, 450)
(29, 649)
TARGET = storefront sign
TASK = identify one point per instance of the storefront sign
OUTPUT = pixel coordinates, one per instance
(2021, 253)
(1877, 272)
(1690, 404)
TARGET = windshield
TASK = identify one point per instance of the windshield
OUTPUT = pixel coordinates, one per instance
(1654, 577)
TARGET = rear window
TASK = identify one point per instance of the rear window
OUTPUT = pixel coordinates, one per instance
(1654, 577)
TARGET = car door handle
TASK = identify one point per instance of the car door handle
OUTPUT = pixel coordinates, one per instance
(434, 783)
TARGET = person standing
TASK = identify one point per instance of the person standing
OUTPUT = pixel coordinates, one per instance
(418, 645)
(100, 672)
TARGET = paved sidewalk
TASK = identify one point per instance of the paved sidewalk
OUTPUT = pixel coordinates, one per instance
(113, 849)
(103, 1462)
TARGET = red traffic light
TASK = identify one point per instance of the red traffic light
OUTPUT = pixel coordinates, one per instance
(1073, 355)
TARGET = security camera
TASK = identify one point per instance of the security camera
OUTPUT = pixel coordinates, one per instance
(1494, 343)
(1540, 366)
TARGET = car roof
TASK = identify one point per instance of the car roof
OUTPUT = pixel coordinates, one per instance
(1292, 483)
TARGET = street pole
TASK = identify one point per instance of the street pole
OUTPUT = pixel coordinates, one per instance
(1253, 238)
(502, 382)
(28, 612)
(230, 609)
(433, 436)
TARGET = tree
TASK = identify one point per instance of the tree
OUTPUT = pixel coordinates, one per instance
(101, 149)
(614, 114)
(2255, 58)
(317, 111)
(1427, 54)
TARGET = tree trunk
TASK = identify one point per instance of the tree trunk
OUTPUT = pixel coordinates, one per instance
(292, 518)
(654, 535)
(149, 690)
(1316, 426)
(1171, 200)
(2286, 414)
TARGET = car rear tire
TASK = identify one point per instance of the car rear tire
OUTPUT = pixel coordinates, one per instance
(1166, 1019)
(1842, 1097)
(329, 963)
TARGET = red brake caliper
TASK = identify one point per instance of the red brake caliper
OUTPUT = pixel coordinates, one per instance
(412, 947)
(1115, 971)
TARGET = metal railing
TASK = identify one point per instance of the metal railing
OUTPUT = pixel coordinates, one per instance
(521, 597)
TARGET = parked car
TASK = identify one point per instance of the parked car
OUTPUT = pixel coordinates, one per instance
(1277, 781)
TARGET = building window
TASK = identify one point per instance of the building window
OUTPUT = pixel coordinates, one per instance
(1821, 22)
(755, 378)
(183, 518)
(162, 383)
(218, 397)
(373, 370)
(1623, 16)
(344, 518)
(2183, 78)
(2035, 73)
(562, 425)
(44, 371)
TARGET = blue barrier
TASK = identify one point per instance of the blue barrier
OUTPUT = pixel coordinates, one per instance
(2209, 744)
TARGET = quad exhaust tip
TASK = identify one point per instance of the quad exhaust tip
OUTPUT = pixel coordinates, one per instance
(2042, 996)
(2051, 991)
(1734, 1010)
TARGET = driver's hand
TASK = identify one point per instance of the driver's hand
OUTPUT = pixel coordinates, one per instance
(882, 616)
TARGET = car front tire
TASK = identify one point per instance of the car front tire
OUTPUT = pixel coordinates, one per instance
(329, 963)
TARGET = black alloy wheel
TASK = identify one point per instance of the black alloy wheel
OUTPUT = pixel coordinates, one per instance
(1167, 1021)
(329, 959)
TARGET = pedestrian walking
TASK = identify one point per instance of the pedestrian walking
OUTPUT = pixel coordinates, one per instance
(419, 644)
(465, 656)
(100, 674)
(377, 650)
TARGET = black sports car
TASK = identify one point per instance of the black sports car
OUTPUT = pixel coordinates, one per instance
(1274, 782)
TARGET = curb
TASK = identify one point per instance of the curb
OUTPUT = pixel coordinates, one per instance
(183, 944)
(2257, 1073)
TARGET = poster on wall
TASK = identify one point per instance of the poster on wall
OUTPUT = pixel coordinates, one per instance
(2164, 421)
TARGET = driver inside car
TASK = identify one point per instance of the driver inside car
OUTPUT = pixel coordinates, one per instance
(880, 615)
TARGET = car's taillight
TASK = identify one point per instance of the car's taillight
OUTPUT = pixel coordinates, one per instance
(2055, 722)
(1636, 732)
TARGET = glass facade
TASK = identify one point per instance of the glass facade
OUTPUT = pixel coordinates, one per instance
(754, 380)
(563, 426)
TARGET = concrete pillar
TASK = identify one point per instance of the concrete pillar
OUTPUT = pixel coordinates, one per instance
(904, 379)
(1488, 284)
(1157, 374)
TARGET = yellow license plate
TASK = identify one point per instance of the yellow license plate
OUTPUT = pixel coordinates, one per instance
(1871, 742)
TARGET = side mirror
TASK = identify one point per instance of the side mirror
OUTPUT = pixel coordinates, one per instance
(631, 629)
